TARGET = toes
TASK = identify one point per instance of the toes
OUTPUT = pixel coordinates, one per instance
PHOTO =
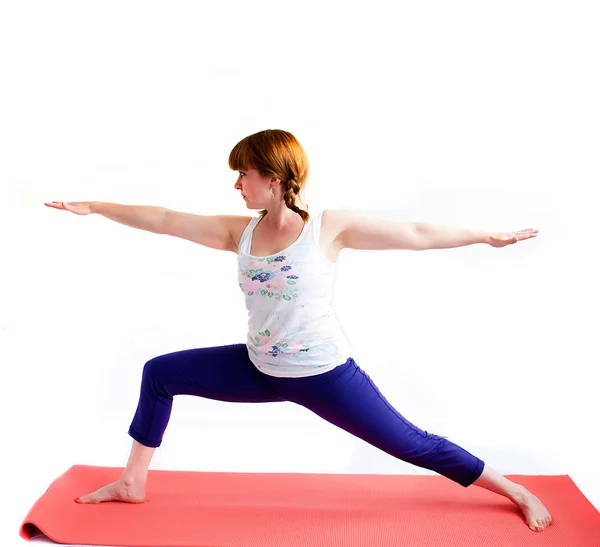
(88, 498)
(83, 499)
(537, 525)
(542, 523)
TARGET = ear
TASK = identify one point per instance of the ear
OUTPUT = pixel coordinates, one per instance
(274, 184)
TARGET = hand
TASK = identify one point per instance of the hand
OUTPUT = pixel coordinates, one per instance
(509, 238)
(77, 207)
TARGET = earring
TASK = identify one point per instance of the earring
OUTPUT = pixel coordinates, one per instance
(272, 194)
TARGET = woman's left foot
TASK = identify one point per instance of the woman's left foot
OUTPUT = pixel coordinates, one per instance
(537, 516)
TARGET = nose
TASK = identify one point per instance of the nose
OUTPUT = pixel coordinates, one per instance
(238, 186)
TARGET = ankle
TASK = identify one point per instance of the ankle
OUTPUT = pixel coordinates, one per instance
(131, 479)
(520, 494)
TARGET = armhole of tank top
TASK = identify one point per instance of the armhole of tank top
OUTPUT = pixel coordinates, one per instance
(246, 234)
(316, 233)
(315, 220)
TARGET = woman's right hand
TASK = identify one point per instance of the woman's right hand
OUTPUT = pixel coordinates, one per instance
(77, 207)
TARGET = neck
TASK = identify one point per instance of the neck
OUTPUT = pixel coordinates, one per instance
(281, 216)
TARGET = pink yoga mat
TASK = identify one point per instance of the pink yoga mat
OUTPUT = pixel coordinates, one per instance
(208, 509)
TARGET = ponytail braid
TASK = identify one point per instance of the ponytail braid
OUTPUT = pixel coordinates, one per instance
(289, 197)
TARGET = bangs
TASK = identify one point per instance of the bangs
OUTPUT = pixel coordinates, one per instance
(241, 157)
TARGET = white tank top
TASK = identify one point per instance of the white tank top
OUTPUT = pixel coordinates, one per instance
(292, 329)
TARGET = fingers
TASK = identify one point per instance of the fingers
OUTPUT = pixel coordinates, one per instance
(525, 234)
(55, 204)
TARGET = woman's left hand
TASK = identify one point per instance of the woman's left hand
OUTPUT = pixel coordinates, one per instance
(509, 238)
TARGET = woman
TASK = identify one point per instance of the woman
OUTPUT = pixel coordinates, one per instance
(295, 350)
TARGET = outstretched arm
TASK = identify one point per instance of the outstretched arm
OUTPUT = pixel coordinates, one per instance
(356, 231)
(445, 237)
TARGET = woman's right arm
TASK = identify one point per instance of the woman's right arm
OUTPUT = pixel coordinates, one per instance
(215, 231)
(143, 217)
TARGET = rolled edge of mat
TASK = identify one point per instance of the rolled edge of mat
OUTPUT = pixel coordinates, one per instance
(29, 531)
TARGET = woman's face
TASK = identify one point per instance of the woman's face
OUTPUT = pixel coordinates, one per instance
(254, 188)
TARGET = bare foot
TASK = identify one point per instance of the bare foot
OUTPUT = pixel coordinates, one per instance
(537, 516)
(119, 490)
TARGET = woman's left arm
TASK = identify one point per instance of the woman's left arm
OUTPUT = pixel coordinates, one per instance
(354, 230)
(445, 237)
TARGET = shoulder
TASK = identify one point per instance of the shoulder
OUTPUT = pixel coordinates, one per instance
(339, 218)
(344, 225)
(334, 222)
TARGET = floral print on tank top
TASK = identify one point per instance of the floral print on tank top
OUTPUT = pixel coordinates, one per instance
(272, 277)
(269, 279)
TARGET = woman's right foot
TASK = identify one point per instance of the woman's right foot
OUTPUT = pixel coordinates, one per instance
(120, 490)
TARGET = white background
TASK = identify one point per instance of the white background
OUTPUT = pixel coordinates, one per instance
(467, 114)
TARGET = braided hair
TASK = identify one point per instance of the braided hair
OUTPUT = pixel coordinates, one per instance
(289, 197)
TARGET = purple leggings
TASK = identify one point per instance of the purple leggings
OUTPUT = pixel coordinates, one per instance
(344, 396)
